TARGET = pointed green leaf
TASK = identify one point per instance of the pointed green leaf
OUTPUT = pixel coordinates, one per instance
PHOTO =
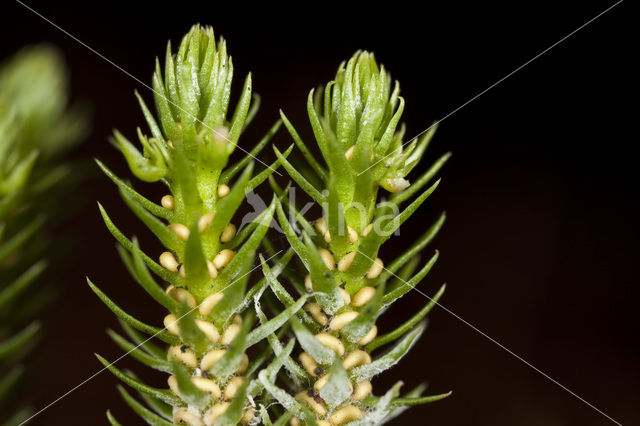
(137, 353)
(298, 178)
(337, 389)
(275, 323)
(233, 413)
(230, 361)
(133, 322)
(366, 319)
(20, 284)
(400, 291)
(189, 392)
(322, 354)
(163, 394)
(148, 416)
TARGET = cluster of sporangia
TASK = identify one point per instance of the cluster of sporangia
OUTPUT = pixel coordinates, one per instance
(207, 261)
(185, 355)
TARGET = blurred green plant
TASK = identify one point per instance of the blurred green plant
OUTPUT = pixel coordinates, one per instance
(37, 128)
(355, 123)
(206, 263)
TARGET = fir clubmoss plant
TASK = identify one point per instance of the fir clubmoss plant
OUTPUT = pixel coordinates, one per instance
(36, 127)
(355, 123)
(206, 264)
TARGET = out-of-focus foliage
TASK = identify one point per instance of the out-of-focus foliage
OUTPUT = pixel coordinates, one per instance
(36, 128)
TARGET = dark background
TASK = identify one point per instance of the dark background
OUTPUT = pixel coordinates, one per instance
(540, 249)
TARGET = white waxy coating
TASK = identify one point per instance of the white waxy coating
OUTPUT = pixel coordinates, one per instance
(340, 320)
(209, 303)
(331, 342)
(209, 330)
(171, 324)
(363, 296)
(347, 413)
(168, 260)
(184, 355)
(207, 385)
(223, 190)
(180, 230)
(356, 358)
(167, 202)
(205, 220)
(319, 384)
(376, 268)
(327, 258)
(368, 338)
(223, 258)
(346, 261)
(228, 233)
(230, 334)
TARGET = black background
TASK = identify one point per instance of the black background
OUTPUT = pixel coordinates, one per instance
(540, 249)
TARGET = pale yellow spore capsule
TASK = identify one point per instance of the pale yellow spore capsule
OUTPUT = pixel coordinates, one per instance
(323, 423)
(209, 330)
(307, 283)
(229, 334)
(353, 235)
(346, 298)
(310, 402)
(168, 260)
(363, 389)
(296, 421)
(316, 313)
(363, 296)
(368, 338)
(223, 190)
(173, 384)
(213, 272)
(209, 303)
(237, 319)
(345, 414)
(327, 236)
(247, 416)
(182, 271)
(319, 384)
(395, 184)
(228, 233)
(182, 295)
(215, 412)
(321, 226)
(211, 358)
(310, 365)
(207, 385)
(171, 143)
(331, 342)
(327, 258)
(223, 258)
(180, 230)
(376, 269)
(346, 261)
(367, 230)
(167, 202)
(244, 363)
(349, 152)
(184, 355)
(171, 324)
(205, 220)
(182, 416)
(233, 385)
(356, 358)
(340, 320)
